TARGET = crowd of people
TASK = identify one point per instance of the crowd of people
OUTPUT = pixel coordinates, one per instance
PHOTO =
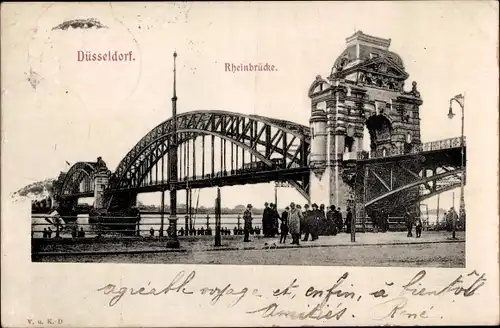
(297, 222)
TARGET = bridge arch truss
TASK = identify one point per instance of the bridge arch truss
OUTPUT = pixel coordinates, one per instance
(79, 179)
(249, 139)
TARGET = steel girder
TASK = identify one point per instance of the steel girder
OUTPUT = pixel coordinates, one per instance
(405, 182)
(262, 137)
(430, 183)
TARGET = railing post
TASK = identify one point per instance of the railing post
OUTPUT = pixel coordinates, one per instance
(138, 225)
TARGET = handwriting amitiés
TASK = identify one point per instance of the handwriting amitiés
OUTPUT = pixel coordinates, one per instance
(272, 310)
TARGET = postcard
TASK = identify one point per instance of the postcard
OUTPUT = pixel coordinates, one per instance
(249, 164)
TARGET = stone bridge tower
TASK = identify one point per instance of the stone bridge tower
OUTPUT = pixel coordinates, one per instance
(365, 90)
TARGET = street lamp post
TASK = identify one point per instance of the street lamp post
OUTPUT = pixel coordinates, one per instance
(460, 99)
(172, 241)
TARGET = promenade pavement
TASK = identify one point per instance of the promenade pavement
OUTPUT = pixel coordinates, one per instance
(233, 243)
(434, 249)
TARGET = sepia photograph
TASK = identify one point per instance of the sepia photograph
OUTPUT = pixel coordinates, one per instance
(359, 173)
(323, 135)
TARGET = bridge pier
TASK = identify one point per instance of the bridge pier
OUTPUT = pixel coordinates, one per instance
(101, 183)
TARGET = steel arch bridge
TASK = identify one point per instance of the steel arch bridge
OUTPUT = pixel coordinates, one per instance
(256, 149)
(79, 179)
(263, 138)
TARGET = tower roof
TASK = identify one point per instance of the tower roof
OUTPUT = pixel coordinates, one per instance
(361, 48)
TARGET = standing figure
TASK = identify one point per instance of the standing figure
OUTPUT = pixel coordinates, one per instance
(74, 231)
(49, 233)
(322, 220)
(152, 232)
(267, 220)
(315, 219)
(275, 216)
(452, 219)
(409, 223)
(331, 228)
(45, 233)
(294, 219)
(305, 224)
(247, 219)
(348, 220)
(337, 219)
(385, 221)
(340, 219)
(375, 221)
(418, 227)
(284, 225)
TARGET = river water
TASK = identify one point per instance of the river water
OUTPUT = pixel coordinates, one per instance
(148, 221)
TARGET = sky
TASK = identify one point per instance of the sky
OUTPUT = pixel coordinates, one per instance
(56, 109)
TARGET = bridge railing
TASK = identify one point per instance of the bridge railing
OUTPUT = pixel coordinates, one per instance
(403, 149)
(148, 225)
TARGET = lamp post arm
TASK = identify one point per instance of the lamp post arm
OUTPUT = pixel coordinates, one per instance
(458, 102)
(463, 110)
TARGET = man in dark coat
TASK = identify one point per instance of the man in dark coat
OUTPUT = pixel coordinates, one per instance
(375, 220)
(315, 221)
(267, 217)
(284, 225)
(339, 223)
(323, 224)
(247, 219)
(275, 220)
(305, 225)
(348, 220)
(331, 226)
(384, 218)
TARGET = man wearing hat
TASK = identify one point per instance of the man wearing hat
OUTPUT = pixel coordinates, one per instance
(294, 220)
(267, 220)
(315, 218)
(247, 219)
